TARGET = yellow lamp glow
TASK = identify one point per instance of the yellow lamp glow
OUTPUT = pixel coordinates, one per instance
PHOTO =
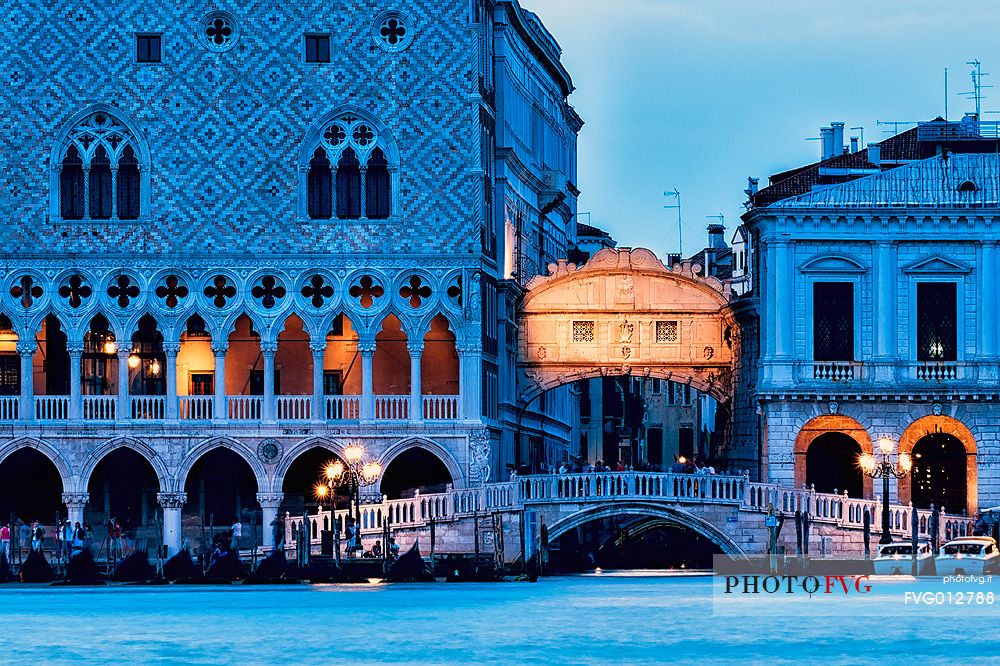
(154, 368)
(321, 490)
(681, 459)
(334, 470)
(110, 347)
(867, 463)
(905, 462)
(354, 453)
(134, 361)
(885, 445)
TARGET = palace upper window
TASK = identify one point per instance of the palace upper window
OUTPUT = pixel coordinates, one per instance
(833, 321)
(349, 175)
(937, 321)
(99, 173)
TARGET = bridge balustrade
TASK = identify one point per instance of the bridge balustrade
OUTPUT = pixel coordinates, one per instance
(702, 488)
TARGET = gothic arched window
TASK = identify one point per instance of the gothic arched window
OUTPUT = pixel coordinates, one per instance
(349, 171)
(100, 185)
(348, 186)
(377, 184)
(320, 186)
(71, 185)
(128, 185)
(104, 170)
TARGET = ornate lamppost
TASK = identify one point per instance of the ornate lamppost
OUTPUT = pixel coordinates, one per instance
(884, 469)
(356, 473)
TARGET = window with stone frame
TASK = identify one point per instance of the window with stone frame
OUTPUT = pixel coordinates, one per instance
(318, 48)
(937, 321)
(583, 331)
(349, 173)
(99, 175)
(833, 321)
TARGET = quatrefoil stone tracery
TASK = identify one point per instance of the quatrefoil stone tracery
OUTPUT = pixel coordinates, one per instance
(172, 291)
(268, 291)
(27, 291)
(123, 290)
(75, 291)
(220, 291)
(415, 290)
(317, 291)
(455, 290)
(367, 291)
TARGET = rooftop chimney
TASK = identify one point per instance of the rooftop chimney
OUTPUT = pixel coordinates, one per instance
(854, 144)
(753, 184)
(716, 236)
(875, 154)
(826, 140)
(838, 138)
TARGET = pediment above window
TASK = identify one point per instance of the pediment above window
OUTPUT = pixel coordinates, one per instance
(937, 264)
(834, 263)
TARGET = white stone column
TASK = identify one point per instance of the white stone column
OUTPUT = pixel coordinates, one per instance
(318, 410)
(367, 351)
(172, 504)
(784, 312)
(170, 350)
(26, 406)
(416, 396)
(269, 503)
(987, 351)
(123, 409)
(885, 312)
(219, 407)
(75, 503)
(470, 379)
(75, 350)
(268, 350)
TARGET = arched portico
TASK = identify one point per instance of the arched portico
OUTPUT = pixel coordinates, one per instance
(70, 482)
(935, 425)
(668, 514)
(824, 425)
(459, 480)
(234, 445)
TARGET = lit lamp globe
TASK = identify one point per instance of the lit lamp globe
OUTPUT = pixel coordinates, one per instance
(110, 347)
(885, 445)
(354, 453)
(905, 462)
(334, 470)
(321, 490)
(134, 361)
(867, 463)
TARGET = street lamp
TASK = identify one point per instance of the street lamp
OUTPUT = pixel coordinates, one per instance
(355, 473)
(884, 469)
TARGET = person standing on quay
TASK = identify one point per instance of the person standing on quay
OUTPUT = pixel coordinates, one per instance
(37, 536)
(23, 537)
(5, 542)
(234, 544)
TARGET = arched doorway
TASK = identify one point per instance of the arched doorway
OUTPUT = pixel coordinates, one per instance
(412, 470)
(953, 470)
(30, 488)
(832, 465)
(123, 487)
(939, 473)
(221, 489)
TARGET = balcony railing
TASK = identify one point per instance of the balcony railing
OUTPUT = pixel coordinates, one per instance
(343, 407)
(99, 407)
(293, 407)
(836, 371)
(195, 407)
(349, 408)
(937, 371)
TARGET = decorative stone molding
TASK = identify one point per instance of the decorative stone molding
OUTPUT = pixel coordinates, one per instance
(78, 500)
(26, 347)
(172, 500)
(220, 348)
(171, 348)
(480, 450)
(269, 451)
(268, 347)
(270, 500)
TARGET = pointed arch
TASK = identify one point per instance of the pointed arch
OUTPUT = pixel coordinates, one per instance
(112, 130)
(459, 479)
(70, 480)
(244, 451)
(152, 457)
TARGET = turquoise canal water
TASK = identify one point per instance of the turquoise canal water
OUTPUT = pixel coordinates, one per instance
(631, 618)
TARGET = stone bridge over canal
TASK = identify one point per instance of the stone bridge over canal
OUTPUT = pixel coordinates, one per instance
(727, 510)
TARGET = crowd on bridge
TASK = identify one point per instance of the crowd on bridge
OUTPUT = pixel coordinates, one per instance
(681, 465)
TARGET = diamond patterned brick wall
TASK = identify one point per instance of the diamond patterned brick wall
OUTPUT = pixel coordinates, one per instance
(225, 129)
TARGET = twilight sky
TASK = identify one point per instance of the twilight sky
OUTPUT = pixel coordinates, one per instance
(699, 94)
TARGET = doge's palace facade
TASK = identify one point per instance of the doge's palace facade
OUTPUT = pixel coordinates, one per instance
(239, 237)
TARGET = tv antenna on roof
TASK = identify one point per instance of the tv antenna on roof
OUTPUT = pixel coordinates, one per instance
(895, 125)
(977, 85)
